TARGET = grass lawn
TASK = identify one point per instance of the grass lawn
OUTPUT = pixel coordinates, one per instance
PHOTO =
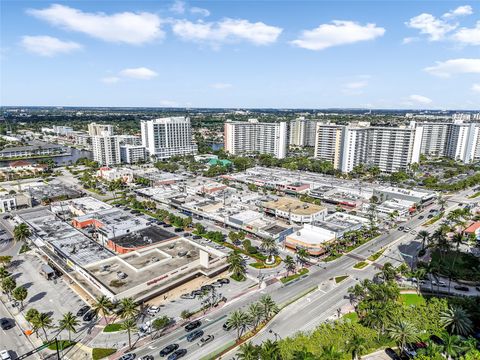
(112, 328)
(62, 344)
(376, 255)
(262, 265)
(412, 299)
(360, 265)
(434, 219)
(238, 278)
(465, 268)
(286, 279)
(352, 317)
(477, 194)
(339, 279)
(100, 353)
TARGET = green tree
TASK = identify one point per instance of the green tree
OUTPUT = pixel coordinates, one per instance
(270, 350)
(21, 232)
(269, 307)
(289, 264)
(186, 314)
(356, 345)
(129, 325)
(255, 311)
(329, 352)
(160, 323)
(456, 320)
(236, 266)
(239, 321)
(128, 308)
(20, 294)
(68, 322)
(247, 351)
(3, 273)
(102, 306)
(403, 332)
(269, 245)
(8, 285)
(424, 235)
(43, 321)
(303, 255)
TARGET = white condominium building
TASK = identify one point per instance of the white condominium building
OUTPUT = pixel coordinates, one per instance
(463, 142)
(328, 144)
(95, 129)
(302, 132)
(106, 150)
(131, 154)
(249, 137)
(167, 137)
(434, 138)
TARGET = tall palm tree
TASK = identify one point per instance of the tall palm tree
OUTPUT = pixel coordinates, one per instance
(247, 351)
(236, 265)
(452, 346)
(239, 321)
(456, 320)
(331, 353)
(128, 308)
(102, 306)
(21, 232)
(20, 294)
(269, 307)
(289, 264)
(269, 350)
(129, 325)
(303, 255)
(403, 332)
(356, 345)
(424, 235)
(305, 355)
(388, 272)
(255, 311)
(8, 285)
(3, 273)
(43, 321)
(419, 274)
(269, 245)
(68, 322)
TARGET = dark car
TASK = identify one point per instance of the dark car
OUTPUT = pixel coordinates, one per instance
(130, 356)
(6, 324)
(147, 357)
(194, 335)
(461, 288)
(196, 237)
(166, 225)
(187, 234)
(89, 315)
(477, 288)
(168, 349)
(193, 325)
(177, 230)
(421, 217)
(437, 340)
(83, 310)
(401, 228)
(430, 216)
(392, 354)
(177, 354)
(223, 281)
(206, 287)
(227, 326)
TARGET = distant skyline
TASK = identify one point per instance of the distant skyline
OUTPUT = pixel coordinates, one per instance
(235, 54)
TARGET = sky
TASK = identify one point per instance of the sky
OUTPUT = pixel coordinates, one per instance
(241, 54)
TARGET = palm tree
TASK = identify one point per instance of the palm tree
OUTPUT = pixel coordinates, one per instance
(305, 355)
(128, 308)
(239, 321)
(20, 294)
(456, 320)
(403, 332)
(330, 353)
(303, 255)
(255, 311)
(21, 232)
(356, 345)
(270, 350)
(68, 322)
(432, 350)
(388, 272)
(43, 321)
(8, 285)
(236, 265)
(453, 346)
(419, 274)
(269, 245)
(269, 307)
(247, 351)
(289, 264)
(3, 273)
(424, 235)
(102, 305)
(129, 325)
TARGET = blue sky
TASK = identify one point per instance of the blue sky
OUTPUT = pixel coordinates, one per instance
(282, 54)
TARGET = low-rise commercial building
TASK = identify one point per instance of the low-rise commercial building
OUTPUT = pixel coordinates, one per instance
(294, 210)
(311, 238)
(112, 174)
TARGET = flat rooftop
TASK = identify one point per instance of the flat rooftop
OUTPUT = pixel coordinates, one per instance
(312, 235)
(408, 192)
(116, 221)
(85, 205)
(288, 204)
(144, 237)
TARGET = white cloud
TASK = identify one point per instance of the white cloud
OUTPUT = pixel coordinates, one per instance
(221, 86)
(420, 99)
(125, 27)
(200, 11)
(468, 36)
(141, 73)
(356, 85)
(454, 66)
(48, 45)
(227, 30)
(409, 40)
(168, 103)
(178, 7)
(110, 79)
(459, 11)
(337, 33)
(476, 88)
(436, 29)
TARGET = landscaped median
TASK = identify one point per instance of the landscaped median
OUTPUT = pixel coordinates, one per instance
(112, 328)
(375, 256)
(100, 353)
(360, 265)
(339, 279)
(434, 219)
(299, 274)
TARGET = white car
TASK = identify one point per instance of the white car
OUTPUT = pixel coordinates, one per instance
(153, 310)
(4, 355)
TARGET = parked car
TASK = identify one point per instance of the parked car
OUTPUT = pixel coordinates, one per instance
(168, 349)
(227, 326)
(130, 356)
(177, 230)
(187, 234)
(430, 216)
(6, 324)
(421, 217)
(5, 355)
(177, 354)
(400, 228)
(89, 315)
(439, 283)
(196, 237)
(461, 288)
(224, 281)
(167, 225)
(83, 310)
(193, 325)
(392, 354)
(410, 351)
(194, 335)
(205, 340)
(206, 287)
(147, 357)
(153, 310)
(187, 296)
(216, 284)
